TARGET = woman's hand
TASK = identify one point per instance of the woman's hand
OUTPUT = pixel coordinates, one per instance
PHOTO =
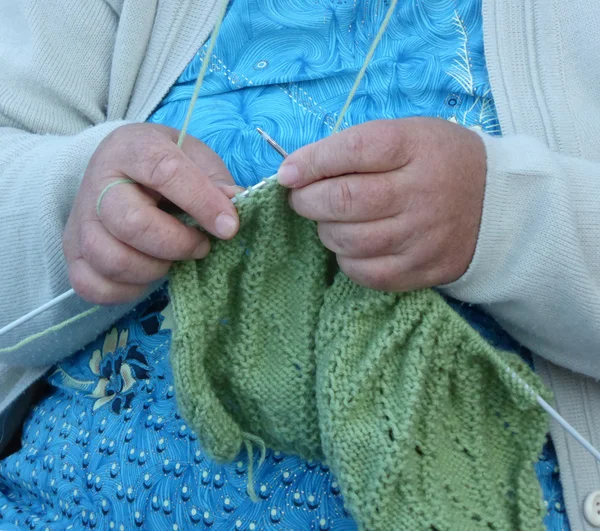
(115, 252)
(398, 201)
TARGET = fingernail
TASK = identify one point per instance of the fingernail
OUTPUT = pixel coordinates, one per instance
(226, 226)
(202, 250)
(287, 175)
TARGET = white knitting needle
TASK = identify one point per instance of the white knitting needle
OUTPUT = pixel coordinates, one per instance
(570, 429)
(556, 416)
(37, 311)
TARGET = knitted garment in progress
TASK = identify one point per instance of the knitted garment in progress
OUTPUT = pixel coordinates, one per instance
(415, 413)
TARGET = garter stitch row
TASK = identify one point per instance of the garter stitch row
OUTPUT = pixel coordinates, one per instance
(414, 412)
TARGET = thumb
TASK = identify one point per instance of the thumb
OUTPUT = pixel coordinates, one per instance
(376, 146)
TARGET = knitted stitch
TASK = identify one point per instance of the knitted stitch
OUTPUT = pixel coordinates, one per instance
(415, 413)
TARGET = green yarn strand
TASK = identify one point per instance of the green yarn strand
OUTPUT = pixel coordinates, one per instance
(201, 74)
(361, 73)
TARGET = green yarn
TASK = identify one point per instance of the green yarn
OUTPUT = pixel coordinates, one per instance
(248, 440)
(47, 331)
(107, 188)
(415, 413)
(200, 79)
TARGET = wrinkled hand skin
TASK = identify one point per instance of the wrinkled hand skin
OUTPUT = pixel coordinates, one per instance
(112, 256)
(398, 201)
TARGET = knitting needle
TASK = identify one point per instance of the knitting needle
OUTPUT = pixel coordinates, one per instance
(279, 150)
(37, 311)
(556, 416)
(272, 143)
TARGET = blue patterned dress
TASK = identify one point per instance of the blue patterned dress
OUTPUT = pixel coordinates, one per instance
(107, 449)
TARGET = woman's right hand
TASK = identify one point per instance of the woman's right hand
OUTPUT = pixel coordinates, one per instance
(115, 253)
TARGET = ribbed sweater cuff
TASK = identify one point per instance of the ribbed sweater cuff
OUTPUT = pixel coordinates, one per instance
(497, 229)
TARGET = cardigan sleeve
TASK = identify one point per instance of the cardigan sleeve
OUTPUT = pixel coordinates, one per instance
(536, 268)
(55, 71)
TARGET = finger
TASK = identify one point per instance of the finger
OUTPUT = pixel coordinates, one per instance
(93, 287)
(163, 167)
(350, 198)
(396, 273)
(117, 261)
(376, 146)
(365, 240)
(168, 206)
(133, 218)
(230, 191)
(206, 159)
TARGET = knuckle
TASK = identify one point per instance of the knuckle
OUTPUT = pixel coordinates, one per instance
(356, 141)
(120, 264)
(201, 203)
(340, 198)
(387, 196)
(134, 225)
(165, 167)
(220, 176)
(82, 284)
(179, 246)
(314, 158)
(346, 240)
(389, 145)
(117, 138)
(88, 243)
(187, 245)
(114, 137)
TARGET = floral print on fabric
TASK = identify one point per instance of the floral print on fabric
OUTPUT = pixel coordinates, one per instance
(120, 367)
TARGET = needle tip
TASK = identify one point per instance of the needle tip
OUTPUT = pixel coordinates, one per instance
(272, 142)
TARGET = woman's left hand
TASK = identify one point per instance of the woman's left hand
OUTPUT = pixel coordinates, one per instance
(398, 201)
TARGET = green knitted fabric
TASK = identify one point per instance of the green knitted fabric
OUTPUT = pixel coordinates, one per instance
(418, 417)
